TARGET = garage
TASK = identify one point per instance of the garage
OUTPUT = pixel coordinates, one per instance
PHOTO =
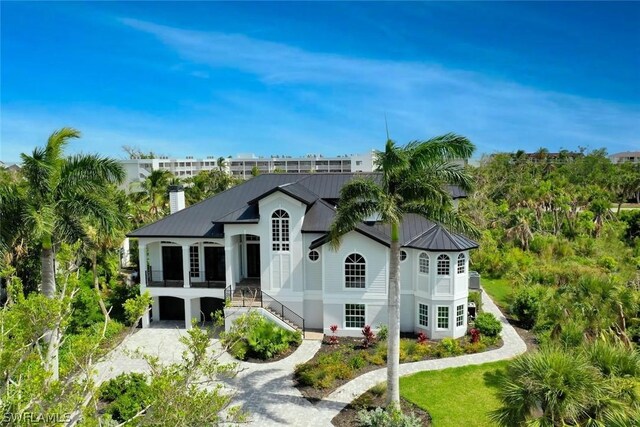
(171, 308)
(208, 305)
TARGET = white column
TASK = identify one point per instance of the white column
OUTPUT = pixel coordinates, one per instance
(186, 270)
(195, 310)
(228, 260)
(142, 263)
(187, 313)
(156, 309)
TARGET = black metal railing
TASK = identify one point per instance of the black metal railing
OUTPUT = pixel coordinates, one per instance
(158, 279)
(254, 297)
(282, 311)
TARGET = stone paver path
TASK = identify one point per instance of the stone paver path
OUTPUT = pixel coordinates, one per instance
(266, 390)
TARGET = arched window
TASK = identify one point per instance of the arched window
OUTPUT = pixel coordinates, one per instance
(461, 263)
(423, 263)
(354, 271)
(280, 230)
(444, 264)
(403, 256)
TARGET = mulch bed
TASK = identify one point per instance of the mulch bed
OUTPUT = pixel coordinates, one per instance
(527, 336)
(348, 417)
(314, 395)
(280, 356)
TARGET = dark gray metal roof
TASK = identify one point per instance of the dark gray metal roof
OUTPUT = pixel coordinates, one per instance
(238, 205)
(293, 189)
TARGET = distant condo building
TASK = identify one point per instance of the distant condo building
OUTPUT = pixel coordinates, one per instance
(625, 156)
(242, 165)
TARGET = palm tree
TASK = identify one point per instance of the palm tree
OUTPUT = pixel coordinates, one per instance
(414, 179)
(154, 192)
(62, 193)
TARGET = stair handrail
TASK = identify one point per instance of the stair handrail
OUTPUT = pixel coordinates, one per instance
(299, 320)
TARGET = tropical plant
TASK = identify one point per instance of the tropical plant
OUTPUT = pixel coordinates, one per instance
(488, 324)
(62, 194)
(595, 385)
(414, 179)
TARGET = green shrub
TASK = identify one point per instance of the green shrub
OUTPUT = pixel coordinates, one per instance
(251, 335)
(488, 324)
(526, 304)
(125, 395)
(474, 347)
(383, 332)
(448, 347)
(357, 362)
(381, 418)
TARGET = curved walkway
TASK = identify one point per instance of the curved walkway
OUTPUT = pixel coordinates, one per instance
(266, 390)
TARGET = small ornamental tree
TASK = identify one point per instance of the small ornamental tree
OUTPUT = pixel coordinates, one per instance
(333, 339)
(368, 336)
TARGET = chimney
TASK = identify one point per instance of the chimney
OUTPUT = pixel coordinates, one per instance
(176, 198)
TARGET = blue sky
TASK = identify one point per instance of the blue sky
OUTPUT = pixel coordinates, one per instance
(296, 78)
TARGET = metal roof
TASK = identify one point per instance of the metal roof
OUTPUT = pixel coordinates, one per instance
(238, 205)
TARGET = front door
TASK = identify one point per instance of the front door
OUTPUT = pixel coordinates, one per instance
(214, 265)
(253, 260)
(172, 262)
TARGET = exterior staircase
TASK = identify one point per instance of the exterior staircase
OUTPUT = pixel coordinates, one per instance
(248, 294)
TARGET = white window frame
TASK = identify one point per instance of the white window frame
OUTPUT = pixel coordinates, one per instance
(309, 255)
(459, 316)
(461, 269)
(344, 273)
(420, 316)
(194, 261)
(280, 235)
(438, 327)
(364, 316)
(424, 255)
(440, 257)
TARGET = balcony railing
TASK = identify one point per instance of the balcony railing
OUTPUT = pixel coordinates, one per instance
(156, 279)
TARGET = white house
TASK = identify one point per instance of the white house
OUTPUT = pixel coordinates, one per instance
(267, 239)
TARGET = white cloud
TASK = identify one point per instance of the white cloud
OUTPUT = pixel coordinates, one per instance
(420, 99)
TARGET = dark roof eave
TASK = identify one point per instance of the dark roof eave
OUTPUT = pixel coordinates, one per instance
(442, 250)
(283, 191)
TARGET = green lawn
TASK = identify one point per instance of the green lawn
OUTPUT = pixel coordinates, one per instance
(457, 396)
(500, 291)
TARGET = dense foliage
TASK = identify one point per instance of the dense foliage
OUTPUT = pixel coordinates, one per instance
(251, 335)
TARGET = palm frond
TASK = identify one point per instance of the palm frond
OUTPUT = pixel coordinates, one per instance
(444, 214)
(446, 147)
(56, 143)
(37, 171)
(89, 173)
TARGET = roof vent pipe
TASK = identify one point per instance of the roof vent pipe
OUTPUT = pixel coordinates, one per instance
(176, 198)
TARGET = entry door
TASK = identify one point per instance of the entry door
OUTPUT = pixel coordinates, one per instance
(172, 262)
(253, 260)
(214, 265)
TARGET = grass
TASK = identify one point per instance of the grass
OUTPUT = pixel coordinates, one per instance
(500, 291)
(457, 396)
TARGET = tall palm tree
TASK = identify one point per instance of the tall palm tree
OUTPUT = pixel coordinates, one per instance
(154, 192)
(414, 180)
(62, 193)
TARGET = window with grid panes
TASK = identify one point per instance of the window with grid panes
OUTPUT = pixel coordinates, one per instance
(443, 317)
(423, 315)
(280, 230)
(444, 265)
(460, 315)
(423, 262)
(194, 261)
(461, 263)
(354, 271)
(354, 315)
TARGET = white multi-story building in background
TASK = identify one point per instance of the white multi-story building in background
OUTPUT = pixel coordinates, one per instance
(626, 156)
(242, 165)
